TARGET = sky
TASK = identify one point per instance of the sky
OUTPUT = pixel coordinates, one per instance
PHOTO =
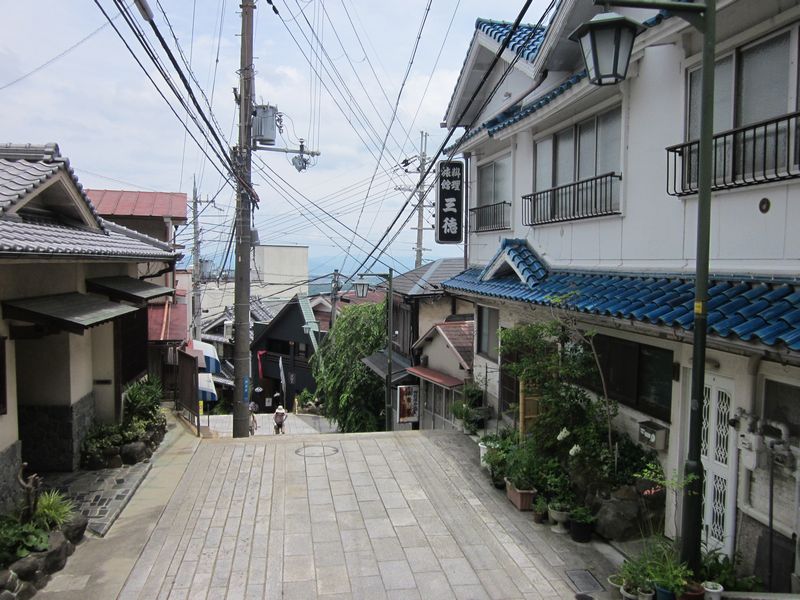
(334, 68)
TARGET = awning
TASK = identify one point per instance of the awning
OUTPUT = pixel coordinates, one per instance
(72, 312)
(205, 388)
(209, 354)
(377, 364)
(126, 288)
(437, 377)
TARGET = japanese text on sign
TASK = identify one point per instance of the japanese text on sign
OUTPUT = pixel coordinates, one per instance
(450, 202)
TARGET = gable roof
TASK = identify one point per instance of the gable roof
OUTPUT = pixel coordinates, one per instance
(131, 203)
(515, 254)
(750, 308)
(45, 213)
(459, 337)
(427, 279)
(526, 41)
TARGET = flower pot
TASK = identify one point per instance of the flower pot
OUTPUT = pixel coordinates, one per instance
(498, 480)
(615, 585)
(539, 517)
(646, 593)
(522, 499)
(483, 449)
(693, 591)
(713, 590)
(664, 593)
(560, 517)
(458, 425)
(629, 594)
(580, 532)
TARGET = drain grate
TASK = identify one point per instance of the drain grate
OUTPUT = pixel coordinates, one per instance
(584, 581)
(316, 451)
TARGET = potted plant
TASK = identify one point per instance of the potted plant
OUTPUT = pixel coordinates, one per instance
(558, 510)
(521, 476)
(490, 440)
(540, 509)
(581, 524)
(668, 573)
(635, 577)
(615, 582)
(496, 460)
(713, 590)
(693, 589)
(458, 410)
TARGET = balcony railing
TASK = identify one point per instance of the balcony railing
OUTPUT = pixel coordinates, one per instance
(594, 197)
(491, 217)
(758, 153)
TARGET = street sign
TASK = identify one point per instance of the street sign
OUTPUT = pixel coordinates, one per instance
(246, 393)
(450, 202)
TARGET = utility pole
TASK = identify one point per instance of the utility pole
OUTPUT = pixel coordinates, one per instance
(423, 142)
(334, 293)
(196, 307)
(242, 159)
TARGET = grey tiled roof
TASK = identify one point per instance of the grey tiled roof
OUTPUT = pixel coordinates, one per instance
(23, 169)
(426, 279)
(27, 238)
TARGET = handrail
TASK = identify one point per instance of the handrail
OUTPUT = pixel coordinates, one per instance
(592, 197)
(761, 152)
(491, 217)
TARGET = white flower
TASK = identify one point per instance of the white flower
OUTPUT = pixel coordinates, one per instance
(563, 434)
(576, 449)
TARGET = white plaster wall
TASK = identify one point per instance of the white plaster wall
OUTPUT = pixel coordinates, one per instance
(9, 429)
(278, 267)
(80, 375)
(515, 83)
(102, 356)
(43, 371)
(433, 312)
(441, 357)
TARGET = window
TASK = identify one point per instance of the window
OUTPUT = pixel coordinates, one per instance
(438, 401)
(751, 85)
(577, 171)
(494, 182)
(782, 405)
(488, 324)
(637, 375)
(279, 347)
(590, 148)
(3, 398)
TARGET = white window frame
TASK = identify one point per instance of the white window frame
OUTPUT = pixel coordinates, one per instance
(491, 160)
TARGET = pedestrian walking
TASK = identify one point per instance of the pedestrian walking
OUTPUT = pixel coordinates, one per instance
(279, 418)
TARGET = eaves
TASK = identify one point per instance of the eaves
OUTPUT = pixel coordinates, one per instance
(574, 94)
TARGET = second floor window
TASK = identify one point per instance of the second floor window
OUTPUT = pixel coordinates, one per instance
(494, 182)
(754, 115)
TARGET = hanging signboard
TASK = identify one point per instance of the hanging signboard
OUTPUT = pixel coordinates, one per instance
(450, 202)
(408, 404)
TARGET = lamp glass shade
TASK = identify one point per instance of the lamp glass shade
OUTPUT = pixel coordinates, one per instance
(606, 43)
(306, 328)
(362, 287)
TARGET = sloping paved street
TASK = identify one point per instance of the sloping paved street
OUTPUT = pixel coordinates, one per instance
(404, 515)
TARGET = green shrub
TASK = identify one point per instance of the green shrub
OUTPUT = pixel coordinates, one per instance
(18, 540)
(143, 400)
(53, 510)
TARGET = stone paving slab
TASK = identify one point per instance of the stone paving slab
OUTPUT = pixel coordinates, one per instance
(222, 425)
(259, 518)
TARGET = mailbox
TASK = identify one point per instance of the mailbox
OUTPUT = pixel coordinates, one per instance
(654, 435)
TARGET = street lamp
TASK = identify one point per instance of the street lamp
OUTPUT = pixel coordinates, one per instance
(594, 37)
(362, 287)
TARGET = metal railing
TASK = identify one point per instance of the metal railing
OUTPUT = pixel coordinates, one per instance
(593, 197)
(491, 217)
(758, 153)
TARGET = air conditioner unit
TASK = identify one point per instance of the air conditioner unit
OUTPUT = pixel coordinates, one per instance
(227, 330)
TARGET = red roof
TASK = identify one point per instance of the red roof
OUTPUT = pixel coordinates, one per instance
(130, 203)
(437, 377)
(176, 326)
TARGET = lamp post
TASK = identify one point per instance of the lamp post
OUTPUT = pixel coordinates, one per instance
(362, 287)
(605, 41)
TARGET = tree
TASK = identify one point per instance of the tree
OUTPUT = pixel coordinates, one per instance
(352, 395)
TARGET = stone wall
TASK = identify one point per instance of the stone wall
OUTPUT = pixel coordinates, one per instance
(10, 460)
(753, 545)
(51, 435)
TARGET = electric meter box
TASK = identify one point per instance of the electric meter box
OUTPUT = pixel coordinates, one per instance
(264, 124)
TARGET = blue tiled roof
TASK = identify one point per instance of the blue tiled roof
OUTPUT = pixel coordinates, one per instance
(752, 310)
(526, 41)
(524, 260)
